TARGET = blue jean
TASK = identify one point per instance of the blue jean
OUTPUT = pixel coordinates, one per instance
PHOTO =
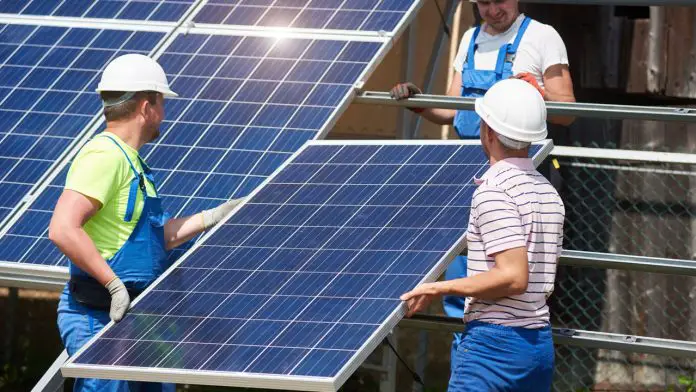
(77, 325)
(497, 358)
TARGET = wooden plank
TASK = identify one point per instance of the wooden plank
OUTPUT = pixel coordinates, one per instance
(638, 68)
(681, 52)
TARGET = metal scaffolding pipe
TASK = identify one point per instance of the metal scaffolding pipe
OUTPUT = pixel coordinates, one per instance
(54, 278)
(573, 337)
(574, 109)
(627, 262)
(624, 155)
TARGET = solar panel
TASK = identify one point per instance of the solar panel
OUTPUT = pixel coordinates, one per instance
(246, 104)
(150, 10)
(356, 15)
(302, 282)
(47, 80)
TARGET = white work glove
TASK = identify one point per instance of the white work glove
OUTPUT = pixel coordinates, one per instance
(120, 300)
(212, 216)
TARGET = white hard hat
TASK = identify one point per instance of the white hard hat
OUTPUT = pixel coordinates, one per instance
(132, 73)
(515, 110)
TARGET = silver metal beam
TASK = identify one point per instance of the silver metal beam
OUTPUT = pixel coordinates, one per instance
(410, 41)
(54, 278)
(627, 262)
(574, 337)
(436, 54)
(624, 155)
(30, 276)
(52, 380)
(592, 110)
(634, 169)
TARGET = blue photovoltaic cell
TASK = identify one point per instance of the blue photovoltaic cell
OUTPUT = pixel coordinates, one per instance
(360, 15)
(245, 105)
(47, 81)
(300, 277)
(152, 10)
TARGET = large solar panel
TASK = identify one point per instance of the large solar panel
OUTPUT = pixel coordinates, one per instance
(47, 79)
(354, 15)
(246, 104)
(150, 10)
(302, 282)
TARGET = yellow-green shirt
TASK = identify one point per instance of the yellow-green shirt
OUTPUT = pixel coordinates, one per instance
(100, 171)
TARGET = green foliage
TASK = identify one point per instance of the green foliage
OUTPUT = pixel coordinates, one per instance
(688, 382)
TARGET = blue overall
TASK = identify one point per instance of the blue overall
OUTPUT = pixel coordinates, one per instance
(137, 263)
(475, 83)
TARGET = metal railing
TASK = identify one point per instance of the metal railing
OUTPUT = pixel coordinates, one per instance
(23, 276)
(590, 110)
(573, 337)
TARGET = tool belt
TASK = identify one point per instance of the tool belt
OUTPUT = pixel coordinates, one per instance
(88, 292)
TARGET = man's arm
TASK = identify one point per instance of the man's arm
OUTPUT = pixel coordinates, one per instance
(558, 87)
(179, 230)
(437, 116)
(445, 116)
(72, 211)
(508, 277)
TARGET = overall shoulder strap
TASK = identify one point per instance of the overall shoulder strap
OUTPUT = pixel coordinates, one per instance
(512, 49)
(137, 182)
(507, 52)
(472, 48)
(148, 175)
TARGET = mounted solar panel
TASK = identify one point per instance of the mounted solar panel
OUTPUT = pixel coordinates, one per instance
(246, 104)
(352, 15)
(47, 79)
(248, 100)
(300, 284)
(147, 10)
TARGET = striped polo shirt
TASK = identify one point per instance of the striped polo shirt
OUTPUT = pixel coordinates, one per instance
(515, 206)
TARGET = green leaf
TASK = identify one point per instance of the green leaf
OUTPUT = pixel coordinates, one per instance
(684, 380)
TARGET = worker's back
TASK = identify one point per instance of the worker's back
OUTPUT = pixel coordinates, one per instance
(516, 206)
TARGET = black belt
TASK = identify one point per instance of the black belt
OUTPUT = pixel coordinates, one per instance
(88, 292)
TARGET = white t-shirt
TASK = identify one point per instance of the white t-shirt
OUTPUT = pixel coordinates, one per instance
(540, 48)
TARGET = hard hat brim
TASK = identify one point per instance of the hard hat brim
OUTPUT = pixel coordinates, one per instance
(167, 92)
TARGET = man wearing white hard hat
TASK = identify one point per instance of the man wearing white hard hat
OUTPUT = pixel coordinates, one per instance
(507, 44)
(109, 220)
(514, 240)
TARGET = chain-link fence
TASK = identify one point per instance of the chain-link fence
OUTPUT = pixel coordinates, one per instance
(637, 209)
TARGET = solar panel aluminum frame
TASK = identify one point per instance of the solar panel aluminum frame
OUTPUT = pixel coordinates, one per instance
(95, 23)
(11, 272)
(408, 17)
(301, 383)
